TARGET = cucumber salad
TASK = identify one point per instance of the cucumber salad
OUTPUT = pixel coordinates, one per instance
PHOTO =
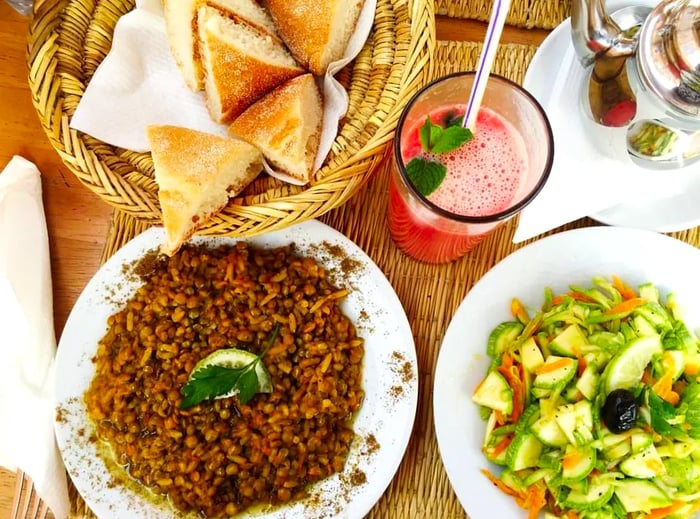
(592, 405)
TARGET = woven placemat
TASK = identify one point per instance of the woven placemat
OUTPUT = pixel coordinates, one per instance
(542, 14)
(430, 295)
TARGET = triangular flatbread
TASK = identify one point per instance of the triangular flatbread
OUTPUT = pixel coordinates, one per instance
(286, 126)
(196, 174)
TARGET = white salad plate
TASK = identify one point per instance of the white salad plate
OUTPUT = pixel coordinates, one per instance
(389, 351)
(677, 209)
(573, 257)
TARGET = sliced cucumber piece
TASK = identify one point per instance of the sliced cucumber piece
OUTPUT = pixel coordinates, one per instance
(626, 368)
(618, 451)
(640, 440)
(677, 449)
(609, 341)
(495, 393)
(638, 495)
(576, 421)
(561, 375)
(577, 463)
(524, 451)
(502, 337)
(531, 355)
(587, 383)
(571, 342)
(540, 392)
(529, 416)
(597, 359)
(572, 394)
(646, 464)
(656, 314)
(598, 494)
(642, 326)
(649, 292)
(548, 432)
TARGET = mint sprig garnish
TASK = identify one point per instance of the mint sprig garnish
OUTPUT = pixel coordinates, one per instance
(436, 139)
(427, 175)
(215, 380)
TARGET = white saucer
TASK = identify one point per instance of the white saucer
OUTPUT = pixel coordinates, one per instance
(676, 212)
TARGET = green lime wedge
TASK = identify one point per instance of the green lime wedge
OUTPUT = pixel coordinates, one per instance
(625, 369)
(235, 358)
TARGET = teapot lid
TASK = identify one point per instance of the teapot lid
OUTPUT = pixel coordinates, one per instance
(669, 55)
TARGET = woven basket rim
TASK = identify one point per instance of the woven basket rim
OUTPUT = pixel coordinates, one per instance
(64, 44)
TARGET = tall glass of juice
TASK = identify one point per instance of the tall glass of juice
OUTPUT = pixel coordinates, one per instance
(488, 179)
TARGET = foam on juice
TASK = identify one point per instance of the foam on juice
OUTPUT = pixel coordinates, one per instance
(484, 175)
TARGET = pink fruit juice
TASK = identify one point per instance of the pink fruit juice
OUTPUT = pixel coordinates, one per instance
(485, 177)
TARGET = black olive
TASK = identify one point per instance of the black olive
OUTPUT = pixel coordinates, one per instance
(619, 411)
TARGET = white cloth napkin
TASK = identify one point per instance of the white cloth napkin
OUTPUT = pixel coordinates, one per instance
(591, 170)
(27, 340)
(139, 84)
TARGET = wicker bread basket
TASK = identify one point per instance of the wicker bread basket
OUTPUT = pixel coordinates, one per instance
(543, 14)
(69, 38)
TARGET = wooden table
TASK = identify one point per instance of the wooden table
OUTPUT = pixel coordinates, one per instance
(78, 220)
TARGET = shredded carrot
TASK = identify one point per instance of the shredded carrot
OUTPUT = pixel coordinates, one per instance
(581, 364)
(581, 297)
(516, 385)
(570, 460)
(571, 515)
(672, 398)
(679, 386)
(506, 360)
(500, 417)
(499, 484)
(557, 300)
(552, 366)
(664, 386)
(660, 513)
(646, 377)
(518, 310)
(626, 306)
(536, 500)
(626, 291)
(691, 369)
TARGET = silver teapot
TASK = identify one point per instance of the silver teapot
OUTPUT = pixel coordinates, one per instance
(644, 77)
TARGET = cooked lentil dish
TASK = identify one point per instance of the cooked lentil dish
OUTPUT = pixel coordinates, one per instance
(220, 457)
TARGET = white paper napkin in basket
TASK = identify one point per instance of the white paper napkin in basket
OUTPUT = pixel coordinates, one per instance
(591, 171)
(138, 84)
(27, 340)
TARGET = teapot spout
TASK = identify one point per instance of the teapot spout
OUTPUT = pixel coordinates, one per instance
(594, 33)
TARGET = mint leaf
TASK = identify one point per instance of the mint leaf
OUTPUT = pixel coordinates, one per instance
(210, 382)
(425, 175)
(453, 119)
(436, 139)
(429, 134)
(451, 139)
